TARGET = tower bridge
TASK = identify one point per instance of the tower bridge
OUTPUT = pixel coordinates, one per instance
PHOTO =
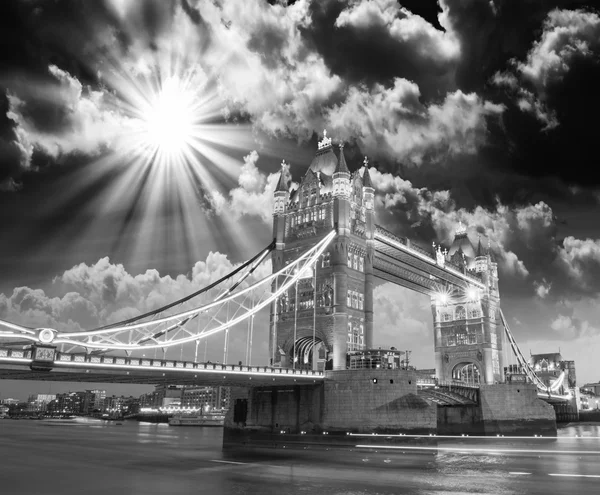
(326, 255)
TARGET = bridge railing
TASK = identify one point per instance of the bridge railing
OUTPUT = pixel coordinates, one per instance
(15, 353)
(81, 358)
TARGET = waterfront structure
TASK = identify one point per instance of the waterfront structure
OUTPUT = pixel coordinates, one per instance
(326, 254)
(39, 402)
(205, 397)
(70, 403)
(329, 312)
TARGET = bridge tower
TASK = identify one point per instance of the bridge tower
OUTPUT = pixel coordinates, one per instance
(467, 325)
(330, 311)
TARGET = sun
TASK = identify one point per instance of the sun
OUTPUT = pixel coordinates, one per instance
(169, 119)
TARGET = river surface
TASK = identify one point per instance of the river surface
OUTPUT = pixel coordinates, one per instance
(94, 457)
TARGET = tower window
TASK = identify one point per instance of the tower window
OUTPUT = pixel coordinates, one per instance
(349, 259)
(360, 301)
(361, 264)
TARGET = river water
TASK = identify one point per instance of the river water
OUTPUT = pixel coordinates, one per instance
(94, 457)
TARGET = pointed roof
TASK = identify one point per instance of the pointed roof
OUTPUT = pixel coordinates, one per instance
(282, 184)
(341, 166)
(480, 250)
(462, 242)
(366, 175)
(490, 252)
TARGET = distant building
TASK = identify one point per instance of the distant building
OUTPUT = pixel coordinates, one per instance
(93, 401)
(206, 397)
(70, 403)
(39, 402)
(9, 402)
(591, 388)
(551, 367)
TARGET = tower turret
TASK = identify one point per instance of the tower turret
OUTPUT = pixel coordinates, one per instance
(481, 259)
(341, 176)
(281, 197)
(282, 194)
(368, 189)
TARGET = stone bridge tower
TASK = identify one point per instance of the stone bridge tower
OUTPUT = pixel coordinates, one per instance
(467, 327)
(330, 312)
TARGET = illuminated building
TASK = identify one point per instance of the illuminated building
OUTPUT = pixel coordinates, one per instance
(330, 311)
(202, 397)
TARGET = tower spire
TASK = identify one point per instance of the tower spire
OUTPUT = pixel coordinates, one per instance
(282, 184)
(366, 175)
(480, 251)
(341, 166)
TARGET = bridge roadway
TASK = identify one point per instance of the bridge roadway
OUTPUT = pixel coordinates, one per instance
(71, 367)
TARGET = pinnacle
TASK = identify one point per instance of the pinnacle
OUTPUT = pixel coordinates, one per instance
(282, 184)
(341, 166)
(480, 251)
(366, 175)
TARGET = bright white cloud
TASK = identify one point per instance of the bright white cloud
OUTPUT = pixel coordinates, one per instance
(254, 196)
(403, 26)
(542, 289)
(392, 122)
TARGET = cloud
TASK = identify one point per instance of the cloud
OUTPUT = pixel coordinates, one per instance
(542, 288)
(572, 327)
(254, 196)
(64, 117)
(437, 209)
(402, 319)
(392, 123)
(265, 66)
(403, 26)
(580, 261)
(568, 37)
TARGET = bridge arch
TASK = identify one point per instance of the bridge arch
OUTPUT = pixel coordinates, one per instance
(468, 372)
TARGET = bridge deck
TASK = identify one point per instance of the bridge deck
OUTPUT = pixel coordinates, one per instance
(14, 365)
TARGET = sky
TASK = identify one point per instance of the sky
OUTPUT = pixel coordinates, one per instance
(140, 143)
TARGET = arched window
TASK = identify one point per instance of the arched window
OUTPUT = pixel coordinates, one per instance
(349, 299)
(360, 301)
(355, 261)
(354, 299)
(361, 264)
(349, 259)
(460, 313)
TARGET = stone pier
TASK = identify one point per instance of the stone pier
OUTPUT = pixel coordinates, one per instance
(377, 402)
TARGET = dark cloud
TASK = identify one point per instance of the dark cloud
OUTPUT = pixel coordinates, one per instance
(371, 55)
(13, 157)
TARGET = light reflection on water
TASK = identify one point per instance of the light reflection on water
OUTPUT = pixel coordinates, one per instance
(63, 457)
